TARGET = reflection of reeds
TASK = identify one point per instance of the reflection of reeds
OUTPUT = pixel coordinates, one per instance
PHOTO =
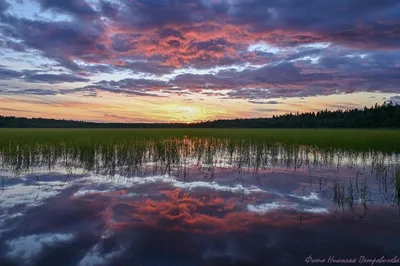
(168, 154)
(348, 193)
(363, 194)
(338, 194)
(397, 175)
(350, 196)
(175, 155)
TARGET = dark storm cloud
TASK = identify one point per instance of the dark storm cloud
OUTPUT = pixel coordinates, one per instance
(6, 73)
(152, 66)
(335, 71)
(109, 9)
(53, 78)
(3, 6)
(35, 77)
(280, 77)
(151, 14)
(312, 21)
(61, 41)
(80, 8)
(367, 23)
(337, 16)
(272, 21)
(99, 68)
(119, 43)
(133, 83)
(38, 92)
(129, 87)
(15, 46)
(160, 36)
(213, 45)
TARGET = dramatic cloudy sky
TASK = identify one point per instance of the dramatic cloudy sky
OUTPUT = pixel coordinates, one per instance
(191, 60)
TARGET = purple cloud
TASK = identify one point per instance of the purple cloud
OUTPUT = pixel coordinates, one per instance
(75, 7)
(322, 48)
(3, 6)
(53, 78)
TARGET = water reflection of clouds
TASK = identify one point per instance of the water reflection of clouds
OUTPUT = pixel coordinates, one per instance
(28, 247)
(171, 181)
(116, 219)
(30, 194)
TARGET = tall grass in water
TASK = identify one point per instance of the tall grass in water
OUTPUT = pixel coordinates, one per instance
(176, 152)
(166, 155)
(360, 140)
(132, 154)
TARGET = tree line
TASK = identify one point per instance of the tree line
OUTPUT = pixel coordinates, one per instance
(386, 115)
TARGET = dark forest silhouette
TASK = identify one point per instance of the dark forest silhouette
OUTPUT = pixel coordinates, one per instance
(386, 115)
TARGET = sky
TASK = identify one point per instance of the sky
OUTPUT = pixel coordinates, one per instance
(189, 61)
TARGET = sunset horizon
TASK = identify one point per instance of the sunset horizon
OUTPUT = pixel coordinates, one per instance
(180, 121)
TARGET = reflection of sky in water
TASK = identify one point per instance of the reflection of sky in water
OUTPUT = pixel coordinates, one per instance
(277, 216)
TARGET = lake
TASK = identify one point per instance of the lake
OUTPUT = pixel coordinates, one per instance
(197, 200)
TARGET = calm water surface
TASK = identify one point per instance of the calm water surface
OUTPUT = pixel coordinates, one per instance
(198, 203)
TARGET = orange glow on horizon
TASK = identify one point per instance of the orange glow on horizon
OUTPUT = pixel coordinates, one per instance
(109, 107)
(185, 113)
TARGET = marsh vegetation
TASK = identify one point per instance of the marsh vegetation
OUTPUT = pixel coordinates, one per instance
(340, 161)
